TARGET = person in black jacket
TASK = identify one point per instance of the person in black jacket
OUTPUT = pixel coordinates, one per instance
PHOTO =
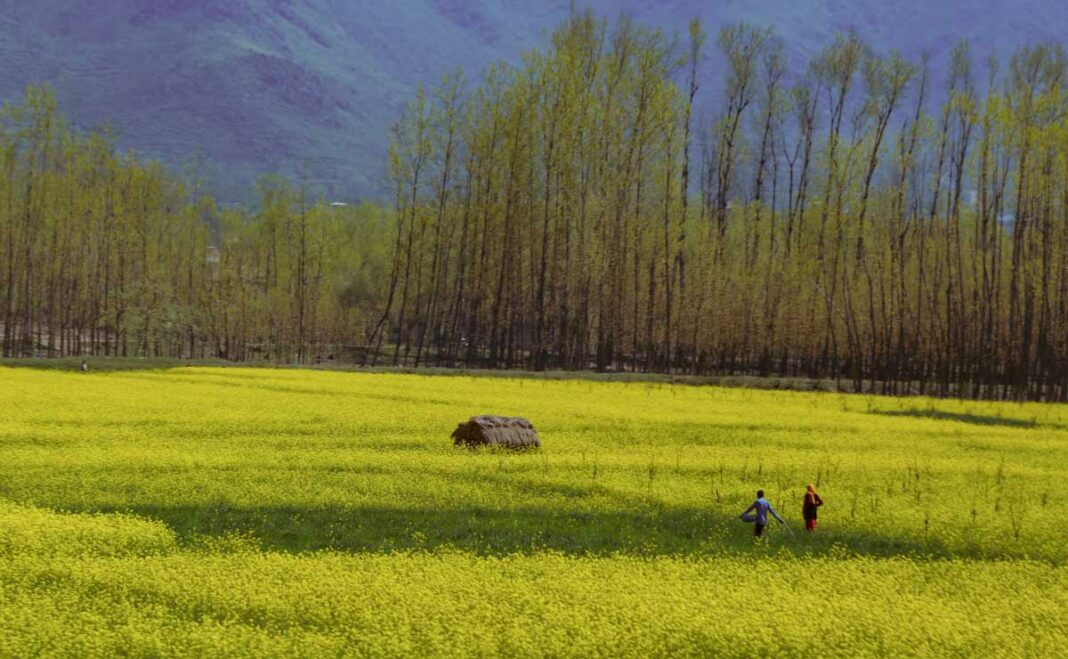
(810, 507)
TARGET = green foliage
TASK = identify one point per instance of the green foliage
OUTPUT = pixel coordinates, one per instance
(103, 254)
(547, 218)
(834, 229)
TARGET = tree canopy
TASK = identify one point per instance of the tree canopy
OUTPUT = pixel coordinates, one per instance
(576, 211)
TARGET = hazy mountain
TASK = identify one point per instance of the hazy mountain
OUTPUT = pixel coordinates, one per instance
(255, 86)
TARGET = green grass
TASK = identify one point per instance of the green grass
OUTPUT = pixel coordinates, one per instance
(107, 364)
(208, 511)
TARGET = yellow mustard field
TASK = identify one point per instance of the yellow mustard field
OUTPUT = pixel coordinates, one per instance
(256, 512)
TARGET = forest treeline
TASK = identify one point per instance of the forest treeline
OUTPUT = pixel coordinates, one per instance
(850, 217)
(578, 211)
(101, 254)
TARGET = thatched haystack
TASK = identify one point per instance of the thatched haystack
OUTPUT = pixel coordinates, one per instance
(489, 430)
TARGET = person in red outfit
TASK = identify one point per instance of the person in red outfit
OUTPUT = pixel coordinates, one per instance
(810, 507)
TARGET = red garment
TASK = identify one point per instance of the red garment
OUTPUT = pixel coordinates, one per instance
(809, 506)
(810, 524)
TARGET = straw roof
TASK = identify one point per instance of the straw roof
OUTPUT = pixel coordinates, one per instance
(491, 430)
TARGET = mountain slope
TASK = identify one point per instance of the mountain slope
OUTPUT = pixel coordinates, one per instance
(247, 87)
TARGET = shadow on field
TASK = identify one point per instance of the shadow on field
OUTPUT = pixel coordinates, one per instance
(652, 531)
(975, 419)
